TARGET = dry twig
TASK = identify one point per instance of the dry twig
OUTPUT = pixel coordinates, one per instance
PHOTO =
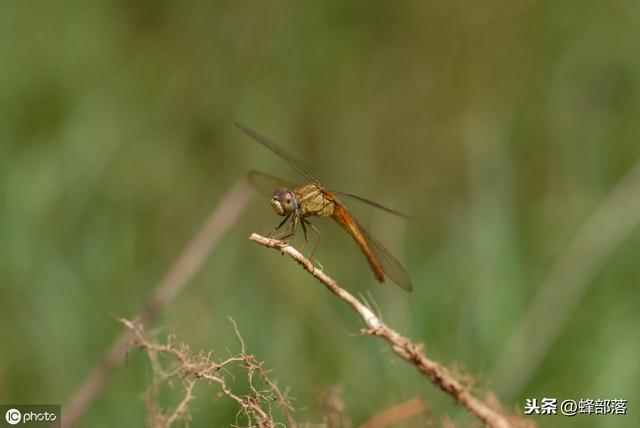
(190, 367)
(412, 353)
(189, 262)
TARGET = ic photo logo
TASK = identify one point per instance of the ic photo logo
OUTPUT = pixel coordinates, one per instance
(13, 416)
(30, 415)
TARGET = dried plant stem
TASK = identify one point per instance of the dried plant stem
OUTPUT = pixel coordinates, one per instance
(189, 367)
(189, 262)
(412, 353)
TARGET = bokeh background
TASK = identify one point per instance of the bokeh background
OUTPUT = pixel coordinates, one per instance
(505, 126)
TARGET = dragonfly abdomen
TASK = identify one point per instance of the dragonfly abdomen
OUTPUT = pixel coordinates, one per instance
(342, 216)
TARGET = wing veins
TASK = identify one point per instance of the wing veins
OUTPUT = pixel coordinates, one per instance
(266, 184)
(373, 204)
(392, 268)
(296, 163)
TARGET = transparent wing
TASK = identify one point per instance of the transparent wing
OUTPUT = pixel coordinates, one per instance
(391, 266)
(266, 184)
(380, 259)
(296, 163)
(373, 204)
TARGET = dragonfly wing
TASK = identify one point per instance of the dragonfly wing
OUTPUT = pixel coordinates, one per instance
(373, 204)
(296, 163)
(266, 184)
(380, 259)
(391, 266)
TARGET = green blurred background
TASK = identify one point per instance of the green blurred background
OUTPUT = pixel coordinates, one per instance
(503, 125)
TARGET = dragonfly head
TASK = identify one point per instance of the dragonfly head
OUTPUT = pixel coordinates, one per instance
(284, 201)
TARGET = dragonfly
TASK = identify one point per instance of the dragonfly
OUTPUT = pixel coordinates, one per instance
(297, 203)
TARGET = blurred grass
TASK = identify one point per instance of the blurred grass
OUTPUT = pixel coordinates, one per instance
(501, 124)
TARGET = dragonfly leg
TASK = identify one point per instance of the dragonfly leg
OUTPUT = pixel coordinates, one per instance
(318, 236)
(292, 232)
(270, 234)
(283, 221)
(303, 223)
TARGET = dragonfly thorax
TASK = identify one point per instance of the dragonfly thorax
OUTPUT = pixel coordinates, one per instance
(284, 201)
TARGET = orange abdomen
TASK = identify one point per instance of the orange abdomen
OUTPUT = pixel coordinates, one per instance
(344, 218)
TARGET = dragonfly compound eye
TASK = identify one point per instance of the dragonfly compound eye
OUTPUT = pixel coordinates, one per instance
(283, 201)
(290, 203)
